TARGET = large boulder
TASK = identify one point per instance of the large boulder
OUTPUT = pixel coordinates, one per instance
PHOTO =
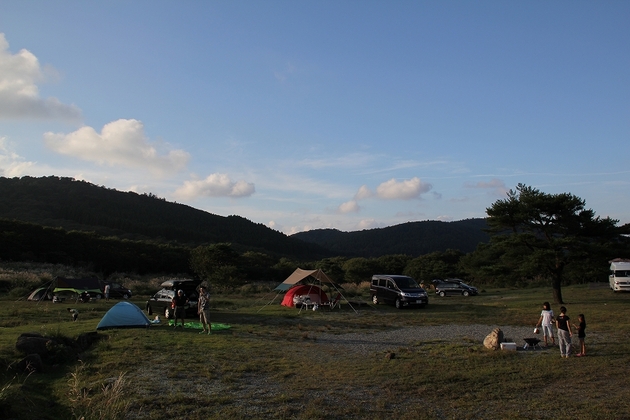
(494, 339)
(33, 343)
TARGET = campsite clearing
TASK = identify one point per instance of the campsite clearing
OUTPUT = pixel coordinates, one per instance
(282, 363)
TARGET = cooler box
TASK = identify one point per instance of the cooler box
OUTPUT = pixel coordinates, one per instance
(508, 346)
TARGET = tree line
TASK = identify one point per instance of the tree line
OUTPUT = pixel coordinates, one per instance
(535, 239)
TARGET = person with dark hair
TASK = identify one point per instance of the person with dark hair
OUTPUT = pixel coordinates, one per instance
(203, 309)
(546, 322)
(581, 334)
(564, 332)
(179, 303)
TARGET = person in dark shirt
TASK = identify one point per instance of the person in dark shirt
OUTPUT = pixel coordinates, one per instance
(564, 332)
(179, 304)
(581, 334)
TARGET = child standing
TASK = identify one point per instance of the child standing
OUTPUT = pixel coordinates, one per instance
(564, 332)
(581, 334)
(546, 321)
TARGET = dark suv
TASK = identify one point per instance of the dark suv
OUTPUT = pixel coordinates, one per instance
(453, 287)
(398, 290)
(160, 303)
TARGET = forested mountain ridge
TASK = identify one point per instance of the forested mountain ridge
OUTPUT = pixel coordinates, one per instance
(82, 206)
(412, 238)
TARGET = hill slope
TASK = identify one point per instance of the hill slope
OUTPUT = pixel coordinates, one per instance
(82, 206)
(413, 238)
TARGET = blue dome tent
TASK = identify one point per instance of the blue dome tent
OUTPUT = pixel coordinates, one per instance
(124, 315)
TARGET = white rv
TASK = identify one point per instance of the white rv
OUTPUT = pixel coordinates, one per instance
(619, 275)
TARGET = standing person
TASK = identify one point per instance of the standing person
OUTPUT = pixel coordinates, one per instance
(106, 290)
(546, 321)
(564, 332)
(203, 309)
(179, 302)
(581, 334)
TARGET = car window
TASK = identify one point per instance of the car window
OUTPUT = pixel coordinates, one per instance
(407, 283)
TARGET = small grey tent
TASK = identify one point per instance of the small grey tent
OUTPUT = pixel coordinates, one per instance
(124, 315)
(43, 293)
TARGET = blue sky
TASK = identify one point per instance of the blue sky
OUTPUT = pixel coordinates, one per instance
(322, 114)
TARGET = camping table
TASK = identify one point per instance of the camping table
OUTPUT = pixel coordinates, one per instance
(308, 305)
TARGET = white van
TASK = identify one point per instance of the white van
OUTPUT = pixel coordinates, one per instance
(619, 278)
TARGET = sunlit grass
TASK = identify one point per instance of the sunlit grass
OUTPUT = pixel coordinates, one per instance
(271, 364)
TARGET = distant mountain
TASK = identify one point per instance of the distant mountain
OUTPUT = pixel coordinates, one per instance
(82, 206)
(413, 238)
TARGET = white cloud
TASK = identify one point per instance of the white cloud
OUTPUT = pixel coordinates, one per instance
(120, 143)
(402, 190)
(19, 95)
(363, 193)
(368, 224)
(275, 226)
(11, 164)
(349, 207)
(352, 160)
(495, 186)
(215, 185)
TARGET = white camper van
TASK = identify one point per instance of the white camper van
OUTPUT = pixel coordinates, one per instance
(619, 275)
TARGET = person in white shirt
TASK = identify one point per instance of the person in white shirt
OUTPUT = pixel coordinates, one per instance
(546, 321)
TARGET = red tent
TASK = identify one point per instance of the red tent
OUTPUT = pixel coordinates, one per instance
(315, 294)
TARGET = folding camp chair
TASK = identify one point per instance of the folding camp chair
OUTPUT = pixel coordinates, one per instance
(336, 302)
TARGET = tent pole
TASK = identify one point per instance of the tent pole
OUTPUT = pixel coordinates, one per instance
(274, 298)
(347, 301)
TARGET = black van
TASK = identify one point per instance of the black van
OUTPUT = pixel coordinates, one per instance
(398, 290)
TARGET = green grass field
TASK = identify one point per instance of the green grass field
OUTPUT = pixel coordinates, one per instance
(269, 364)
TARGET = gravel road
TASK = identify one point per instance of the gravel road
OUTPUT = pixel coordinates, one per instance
(368, 343)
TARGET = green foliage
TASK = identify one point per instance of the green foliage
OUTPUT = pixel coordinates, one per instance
(537, 234)
(218, 264)
(333, 267)
(357, 270)
(391, 264)
(21, 241)
(437, 265)
(413, 238)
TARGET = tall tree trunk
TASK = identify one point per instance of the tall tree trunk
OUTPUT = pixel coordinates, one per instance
(557, 285)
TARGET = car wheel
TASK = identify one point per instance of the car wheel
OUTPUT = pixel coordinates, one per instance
(465, 293)
(99, 297)
(375, 300)
(149, 310)
(399, 304)
(125, 296)
(442, 294)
